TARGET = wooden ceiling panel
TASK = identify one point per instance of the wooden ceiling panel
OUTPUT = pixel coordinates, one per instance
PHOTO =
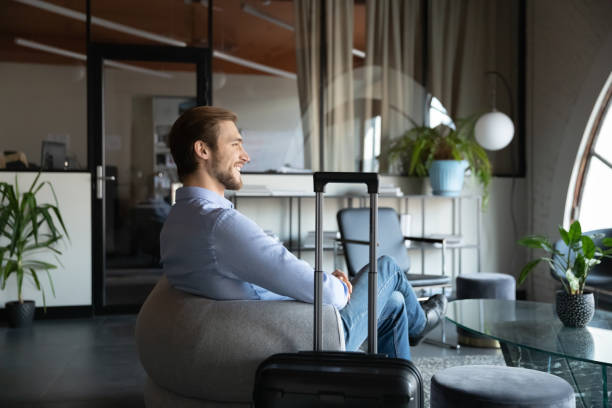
(19, 20)
(236, 32)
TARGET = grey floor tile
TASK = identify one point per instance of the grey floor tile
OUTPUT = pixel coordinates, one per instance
(71, 363)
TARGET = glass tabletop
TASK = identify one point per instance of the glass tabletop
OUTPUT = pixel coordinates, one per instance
(536, 326)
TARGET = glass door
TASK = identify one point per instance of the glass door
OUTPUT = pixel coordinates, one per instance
(138, 101)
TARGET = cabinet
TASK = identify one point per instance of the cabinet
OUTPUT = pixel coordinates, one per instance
(454, 224)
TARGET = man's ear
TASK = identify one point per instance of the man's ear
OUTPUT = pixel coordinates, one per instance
(201, 149)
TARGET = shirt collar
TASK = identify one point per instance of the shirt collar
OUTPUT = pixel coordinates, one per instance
(186, 193)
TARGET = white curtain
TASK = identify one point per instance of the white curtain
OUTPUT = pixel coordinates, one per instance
(340, 140)
(462, 48)
(338, 89)
(393, 68)
(307, 44)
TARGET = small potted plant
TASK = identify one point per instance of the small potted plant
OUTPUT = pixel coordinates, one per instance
(575, 306)
(443, 153)
(28, 229)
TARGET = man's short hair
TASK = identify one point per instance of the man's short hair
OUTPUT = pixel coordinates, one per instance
(199, 123)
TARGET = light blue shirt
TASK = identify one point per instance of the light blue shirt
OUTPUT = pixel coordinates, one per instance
(210, 249)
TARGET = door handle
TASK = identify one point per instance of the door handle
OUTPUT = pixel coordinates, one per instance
(101, 179)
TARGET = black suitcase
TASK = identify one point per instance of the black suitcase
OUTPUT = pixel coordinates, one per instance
(339, 379)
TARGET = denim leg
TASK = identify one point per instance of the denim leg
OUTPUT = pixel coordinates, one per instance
(390, 279)
(393, 328)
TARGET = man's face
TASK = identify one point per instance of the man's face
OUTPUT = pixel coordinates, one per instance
(229, 157)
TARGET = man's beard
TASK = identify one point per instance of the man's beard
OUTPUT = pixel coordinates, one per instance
(226, 177)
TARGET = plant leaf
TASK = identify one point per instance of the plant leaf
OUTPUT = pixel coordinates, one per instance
(564, 235)
(588, 247)
(575, 232)
(38, 264)
(527, 268)
(536, 241)
(51, 283)
(35, 277)
(580, 267)
(607, 241)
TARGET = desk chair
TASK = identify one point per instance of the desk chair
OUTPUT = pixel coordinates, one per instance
(354, 226)
(599, 279)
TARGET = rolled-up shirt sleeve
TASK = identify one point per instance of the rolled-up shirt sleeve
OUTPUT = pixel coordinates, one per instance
(249, 254)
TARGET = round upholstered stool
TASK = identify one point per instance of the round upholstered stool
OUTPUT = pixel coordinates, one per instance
(498, 386)
(484, 285)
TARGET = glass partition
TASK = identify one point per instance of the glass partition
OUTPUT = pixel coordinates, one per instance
(43, 88)
(255, 75)
(140, 107)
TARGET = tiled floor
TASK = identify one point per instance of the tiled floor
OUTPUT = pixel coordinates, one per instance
(93, 363)
(71, 363)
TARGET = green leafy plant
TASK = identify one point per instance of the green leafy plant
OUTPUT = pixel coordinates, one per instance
(582, 255)
(418, 147)
(27, 229)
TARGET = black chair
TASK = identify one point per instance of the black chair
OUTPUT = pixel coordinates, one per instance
(354, 225)
(599, 279)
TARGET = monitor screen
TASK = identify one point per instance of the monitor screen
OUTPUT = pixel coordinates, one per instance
(53, 155)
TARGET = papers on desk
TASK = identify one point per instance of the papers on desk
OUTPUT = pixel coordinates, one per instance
(329, 238)
(253, 190)
(389, 190)
(261, 190)
(451, 240)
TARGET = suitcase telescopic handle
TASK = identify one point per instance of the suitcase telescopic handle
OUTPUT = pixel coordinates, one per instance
(320, 180)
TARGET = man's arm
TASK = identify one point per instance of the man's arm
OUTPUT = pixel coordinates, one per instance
(243, 250)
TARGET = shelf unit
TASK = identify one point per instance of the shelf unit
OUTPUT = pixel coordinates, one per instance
(295, 244)
(152, 165)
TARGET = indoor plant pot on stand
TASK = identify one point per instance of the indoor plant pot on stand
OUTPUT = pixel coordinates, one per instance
(575, 306)
(28, 229)
(444, 154)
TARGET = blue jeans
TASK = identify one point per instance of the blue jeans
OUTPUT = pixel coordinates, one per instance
(399, 311)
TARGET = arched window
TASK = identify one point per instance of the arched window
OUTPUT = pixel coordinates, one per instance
(592, 198)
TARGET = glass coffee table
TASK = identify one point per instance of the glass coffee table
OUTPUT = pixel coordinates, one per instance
(531, 336)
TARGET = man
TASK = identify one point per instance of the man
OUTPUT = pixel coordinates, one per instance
(210, 249)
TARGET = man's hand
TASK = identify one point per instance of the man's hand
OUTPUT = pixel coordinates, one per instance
(340, 275)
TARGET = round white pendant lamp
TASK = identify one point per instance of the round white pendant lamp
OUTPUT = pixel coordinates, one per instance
(494, 130)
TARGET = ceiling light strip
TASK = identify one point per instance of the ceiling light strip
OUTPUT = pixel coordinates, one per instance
(50, 49)
(253, 65)
(247, 8)
(82, 57)
(144, 34)
(253, 11)
(133, 68)
(77, 15)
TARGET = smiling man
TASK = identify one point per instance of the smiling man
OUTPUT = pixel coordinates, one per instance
(210, 249)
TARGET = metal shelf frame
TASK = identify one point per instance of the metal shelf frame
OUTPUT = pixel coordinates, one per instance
(295, 244)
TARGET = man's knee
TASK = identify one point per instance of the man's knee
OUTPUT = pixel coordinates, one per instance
(386, 260)
(396, 301)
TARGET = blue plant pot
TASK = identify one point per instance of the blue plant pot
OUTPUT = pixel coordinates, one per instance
(446, 177)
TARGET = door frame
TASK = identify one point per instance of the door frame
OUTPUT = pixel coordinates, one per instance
(96, 54)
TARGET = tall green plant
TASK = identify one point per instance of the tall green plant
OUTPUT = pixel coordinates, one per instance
(582, 254)
(418, 147)
(27, 229)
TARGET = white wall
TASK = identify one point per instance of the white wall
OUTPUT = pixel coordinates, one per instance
(72, 280)
(569, 58)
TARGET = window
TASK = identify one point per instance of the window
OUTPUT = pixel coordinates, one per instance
(592, 195)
